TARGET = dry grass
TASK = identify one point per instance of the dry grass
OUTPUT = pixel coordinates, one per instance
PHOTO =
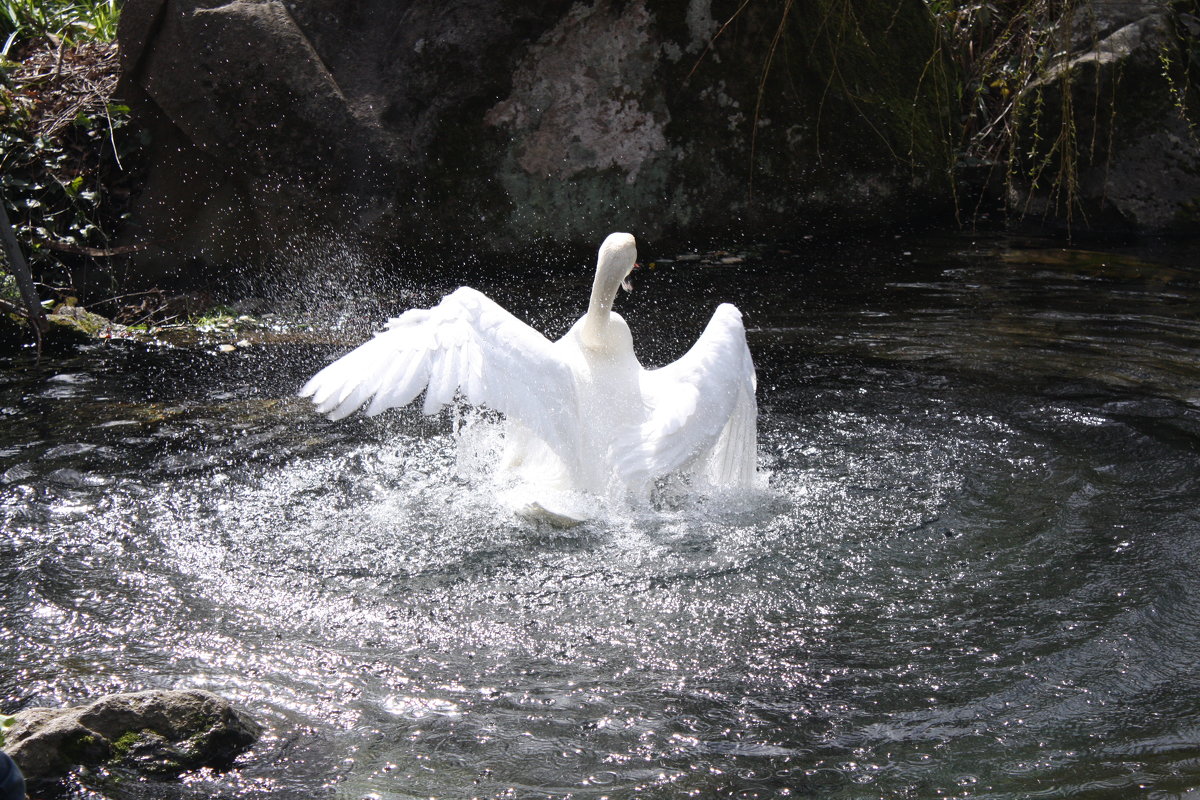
(55, 84)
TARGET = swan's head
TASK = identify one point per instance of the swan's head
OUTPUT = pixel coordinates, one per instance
(618, 256)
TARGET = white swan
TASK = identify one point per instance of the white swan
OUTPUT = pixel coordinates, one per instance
(582, 415)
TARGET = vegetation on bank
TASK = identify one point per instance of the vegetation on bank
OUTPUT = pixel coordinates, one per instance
(1039, 106)
(1002, 50)
(70, 157)
(23, 21)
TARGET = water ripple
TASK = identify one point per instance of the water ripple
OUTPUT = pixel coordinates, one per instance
(970, 572)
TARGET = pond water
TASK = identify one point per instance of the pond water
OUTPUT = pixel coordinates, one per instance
(971, 571)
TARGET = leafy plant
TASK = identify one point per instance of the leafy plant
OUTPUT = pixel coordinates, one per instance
(65, 192)
(1179, 84)
(31, 21)
(1008, 52)
(65, 145)
(8, 289)
(6, 722)
(56, 185)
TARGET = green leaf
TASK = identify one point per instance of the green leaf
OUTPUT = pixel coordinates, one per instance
(5, 723)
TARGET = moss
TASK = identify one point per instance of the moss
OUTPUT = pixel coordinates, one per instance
(126, 743)
(77, 319)
(6, 722)
(151, 753)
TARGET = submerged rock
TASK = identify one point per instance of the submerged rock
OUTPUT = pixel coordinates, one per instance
(160, 733)
(69, 325)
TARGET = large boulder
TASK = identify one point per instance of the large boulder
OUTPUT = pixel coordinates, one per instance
(1111, 136)
(501, 123)
(160, 732)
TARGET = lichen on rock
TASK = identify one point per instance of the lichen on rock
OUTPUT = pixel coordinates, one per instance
(579, 100)
(497, 125)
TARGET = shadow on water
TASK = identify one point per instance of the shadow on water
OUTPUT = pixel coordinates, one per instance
(970, 572)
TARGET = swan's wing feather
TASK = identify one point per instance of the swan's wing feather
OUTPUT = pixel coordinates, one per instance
(468, 344)
(700, 406)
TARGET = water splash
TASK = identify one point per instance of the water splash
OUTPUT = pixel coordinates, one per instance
(957, 581)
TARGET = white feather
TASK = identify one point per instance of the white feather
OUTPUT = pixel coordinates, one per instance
(584, 415)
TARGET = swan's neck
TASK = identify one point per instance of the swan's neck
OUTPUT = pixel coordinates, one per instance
(595, 330)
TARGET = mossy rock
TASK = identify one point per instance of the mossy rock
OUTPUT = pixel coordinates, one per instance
(78, 320)
(151, 753)
(63, 333)
(156, 733)
(69, 325)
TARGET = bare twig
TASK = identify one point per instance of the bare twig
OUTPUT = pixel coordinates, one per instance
(714, 38)
(13, 308)
(84, 82)
(98, 252)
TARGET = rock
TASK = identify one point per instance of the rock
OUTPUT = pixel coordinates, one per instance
(1092, 22)
(482, 124)
(161, 733)
(86, 324)
(1132, 109)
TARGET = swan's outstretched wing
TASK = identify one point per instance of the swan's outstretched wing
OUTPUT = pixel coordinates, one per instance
(702, 410)
(468, 344)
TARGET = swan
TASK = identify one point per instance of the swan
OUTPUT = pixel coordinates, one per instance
(581, 413)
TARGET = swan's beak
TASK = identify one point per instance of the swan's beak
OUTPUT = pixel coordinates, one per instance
(627, 284)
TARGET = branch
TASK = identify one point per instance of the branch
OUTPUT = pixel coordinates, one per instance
(20, 269)
(97, 252)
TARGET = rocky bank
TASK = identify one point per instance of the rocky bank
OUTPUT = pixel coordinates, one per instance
(498, 124)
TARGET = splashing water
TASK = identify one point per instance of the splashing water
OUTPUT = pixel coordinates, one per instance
(969, 572)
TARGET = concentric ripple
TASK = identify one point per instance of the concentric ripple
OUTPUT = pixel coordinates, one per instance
(969, 571)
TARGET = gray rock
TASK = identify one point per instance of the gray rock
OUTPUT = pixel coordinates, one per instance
(1091, 23)
(503, 123)
(1133, 113)
(160, 733)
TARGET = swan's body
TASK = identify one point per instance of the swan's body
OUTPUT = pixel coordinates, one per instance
(582, 413)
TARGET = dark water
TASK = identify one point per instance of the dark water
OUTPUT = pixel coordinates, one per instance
(972, 571)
